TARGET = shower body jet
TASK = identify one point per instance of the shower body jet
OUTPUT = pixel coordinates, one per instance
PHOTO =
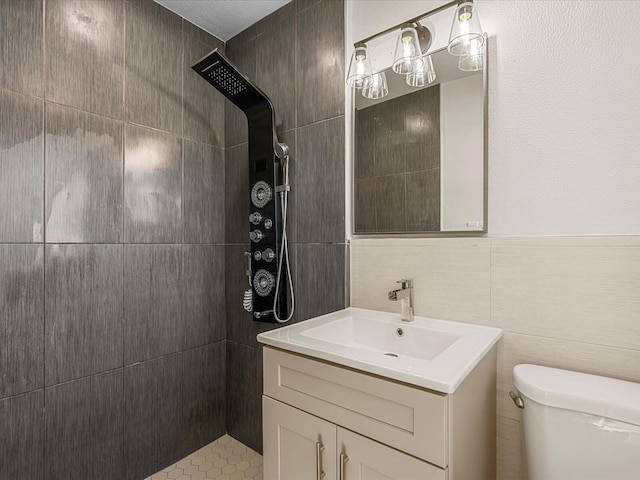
(266, 177)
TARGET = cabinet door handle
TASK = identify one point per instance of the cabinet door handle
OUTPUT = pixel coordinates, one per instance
(343, 459)
(319, 472)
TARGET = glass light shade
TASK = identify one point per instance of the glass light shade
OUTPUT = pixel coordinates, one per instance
(425, 75)
(359, 67)
(376, 87)
(466, 33)
(408, 56)
(471, 63)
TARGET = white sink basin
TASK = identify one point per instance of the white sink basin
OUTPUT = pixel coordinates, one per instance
(381, 336)
(435, 354)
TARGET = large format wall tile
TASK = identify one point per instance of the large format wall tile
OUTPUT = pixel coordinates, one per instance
(236, 196)
(204, 195)
(153, 320)
(203, 105)
(21, 58)
(244, 394)
(364, 155)
(21, 436)
(21, 321)
(319, 181)
(203, 390)
(83, 309)
(203, 297)
(451, 276)
(422, 132)
(290, 139)
(320, 62)
(153, 399)
(320, 281)
(391, 194)
(84, 54)
(422, 202)
(202, 36)
(275, 71)
(389, 141)
(573, 292)
(21, 167)
(154, 67)
(304, 4)
(152, 186)
(510, 461)
(84, 177)
(365, 205)
(84, 428)
(281, 18)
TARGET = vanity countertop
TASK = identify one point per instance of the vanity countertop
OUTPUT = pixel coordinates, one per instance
(429, 353)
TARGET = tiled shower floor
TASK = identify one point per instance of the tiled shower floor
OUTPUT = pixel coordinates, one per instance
(224, 459)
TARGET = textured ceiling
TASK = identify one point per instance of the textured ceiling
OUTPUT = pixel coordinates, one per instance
(223, 18)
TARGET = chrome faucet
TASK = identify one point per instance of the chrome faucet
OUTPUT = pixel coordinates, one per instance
(405, 295)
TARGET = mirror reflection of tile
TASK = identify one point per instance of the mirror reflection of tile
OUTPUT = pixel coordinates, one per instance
(397, 164)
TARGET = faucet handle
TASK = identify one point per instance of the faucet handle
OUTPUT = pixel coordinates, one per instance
(406, 283)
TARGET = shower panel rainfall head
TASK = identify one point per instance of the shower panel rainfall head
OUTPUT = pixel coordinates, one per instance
(216, 69)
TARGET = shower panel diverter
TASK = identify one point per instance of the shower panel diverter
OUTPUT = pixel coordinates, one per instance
(268, 179)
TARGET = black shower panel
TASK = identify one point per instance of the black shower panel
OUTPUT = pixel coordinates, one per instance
(265, 220)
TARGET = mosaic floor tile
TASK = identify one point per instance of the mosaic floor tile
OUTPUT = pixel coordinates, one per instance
(224, 459)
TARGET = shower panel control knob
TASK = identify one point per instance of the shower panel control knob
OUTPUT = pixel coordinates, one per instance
(261, 194)
(268, 255)
(255, 218)
(268, 223)
(256, 236)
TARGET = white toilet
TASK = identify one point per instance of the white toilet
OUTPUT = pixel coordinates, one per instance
(578, 426)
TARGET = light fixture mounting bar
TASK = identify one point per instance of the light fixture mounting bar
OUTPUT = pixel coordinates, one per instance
(414, 20)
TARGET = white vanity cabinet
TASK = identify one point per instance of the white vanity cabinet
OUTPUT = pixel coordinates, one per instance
(300, 446)
(325, 421)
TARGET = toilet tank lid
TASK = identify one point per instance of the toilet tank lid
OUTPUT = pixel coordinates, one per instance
(592, 394)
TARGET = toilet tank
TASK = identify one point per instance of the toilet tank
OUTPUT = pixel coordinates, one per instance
(578, 426)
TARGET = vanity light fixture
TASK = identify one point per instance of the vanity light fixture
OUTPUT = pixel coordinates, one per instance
(471, 63)
(425, 75)
(408, 56)
(466, 41)
(376, 87)
(359, 67)
(466, 38)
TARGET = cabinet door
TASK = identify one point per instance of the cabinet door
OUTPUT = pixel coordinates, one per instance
(365, 459)
(296, 444)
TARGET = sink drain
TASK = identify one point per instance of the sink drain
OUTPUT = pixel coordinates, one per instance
(392, 355)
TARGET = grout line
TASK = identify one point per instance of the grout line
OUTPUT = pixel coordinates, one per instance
(44, 231)
(490, 282)
(123, 233)
(117, 243)
(114, 370)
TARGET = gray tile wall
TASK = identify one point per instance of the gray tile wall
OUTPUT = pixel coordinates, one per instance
(296, 55)
(124, 198)
(113, 318)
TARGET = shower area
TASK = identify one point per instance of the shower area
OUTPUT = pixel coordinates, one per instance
(125, 187)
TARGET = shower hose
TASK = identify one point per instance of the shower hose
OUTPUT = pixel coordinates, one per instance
(284, 249)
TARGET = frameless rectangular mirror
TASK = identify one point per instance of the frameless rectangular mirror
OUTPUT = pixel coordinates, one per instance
(420, 153)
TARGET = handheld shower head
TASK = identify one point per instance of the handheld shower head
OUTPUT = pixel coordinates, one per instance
(281, 150)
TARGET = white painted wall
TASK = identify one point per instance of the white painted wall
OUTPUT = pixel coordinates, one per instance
(564, 110)
(462, 153)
